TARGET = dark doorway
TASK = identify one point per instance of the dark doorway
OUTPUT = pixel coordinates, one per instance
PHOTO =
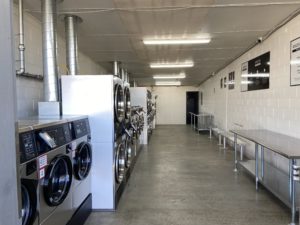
(192, 104)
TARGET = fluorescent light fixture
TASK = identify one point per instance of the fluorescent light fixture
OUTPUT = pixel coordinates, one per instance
(175, 76)
(171, 65)
(168, 83)
(246, 82)
(176, 41)
(256, 75)
(295, 62)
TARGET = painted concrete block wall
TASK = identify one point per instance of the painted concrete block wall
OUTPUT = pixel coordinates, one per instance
(171, 104)
(30, 92)
(277, 108)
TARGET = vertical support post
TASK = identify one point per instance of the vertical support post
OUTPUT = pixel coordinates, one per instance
(235, 153)
(256, 166)
(210, 132)
(293, 222)
(220, 139)
(290, 179)
(262, 158)
(224, 142)
(242, 152)
(9, 160)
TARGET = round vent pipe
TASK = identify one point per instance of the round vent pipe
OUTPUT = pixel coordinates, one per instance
(116, 68)
(21, 46)
(49, 22)
(71, 26)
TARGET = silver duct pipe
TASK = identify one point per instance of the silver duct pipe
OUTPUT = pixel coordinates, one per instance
(21, 40)
(126, 76)
(123, 74)
(49, 21)
(71, 25)
(116, 68)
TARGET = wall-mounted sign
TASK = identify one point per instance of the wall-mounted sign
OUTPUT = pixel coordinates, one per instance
(231, 80)
(225, 82)
(221, 83)
(295, 62)
(256, 73)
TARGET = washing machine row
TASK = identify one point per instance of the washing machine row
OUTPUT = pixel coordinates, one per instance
(106, 100)
(55, 160)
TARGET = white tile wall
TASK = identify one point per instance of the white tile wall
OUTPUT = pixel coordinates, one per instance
(30, 92)
(171, 104)
(276, 109)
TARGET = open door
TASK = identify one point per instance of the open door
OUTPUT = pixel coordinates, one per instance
(192, 104)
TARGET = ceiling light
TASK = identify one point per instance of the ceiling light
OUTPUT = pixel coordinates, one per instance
(256, 75)
(178, 76)
(171, 65)
(176, 41)
(168, 83)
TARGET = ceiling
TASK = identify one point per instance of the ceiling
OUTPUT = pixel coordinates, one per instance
(114, 30)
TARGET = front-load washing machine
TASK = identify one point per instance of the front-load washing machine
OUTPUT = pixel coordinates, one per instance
(55, 173)
(101, 97)
(119, 167)
(82, 161)
(29, 177)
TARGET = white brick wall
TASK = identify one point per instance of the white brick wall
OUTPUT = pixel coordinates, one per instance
(30, 92)
(276, 109)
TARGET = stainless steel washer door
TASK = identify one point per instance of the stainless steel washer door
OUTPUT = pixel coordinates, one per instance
(83, 161)
(120, 163)
(128, 148)
(119, 103)
(127, 103)
(57, 181)
(29, 202)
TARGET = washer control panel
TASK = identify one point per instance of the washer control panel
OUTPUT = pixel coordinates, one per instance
(28, 148)
(80, 128)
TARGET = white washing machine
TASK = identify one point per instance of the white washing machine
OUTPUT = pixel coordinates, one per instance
(82, 161)
(55, 173)
(29, 177)
(101, 97)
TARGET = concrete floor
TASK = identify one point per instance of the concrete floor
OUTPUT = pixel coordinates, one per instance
(183, 178)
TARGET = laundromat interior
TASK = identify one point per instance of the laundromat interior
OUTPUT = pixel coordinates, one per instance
(150, 112)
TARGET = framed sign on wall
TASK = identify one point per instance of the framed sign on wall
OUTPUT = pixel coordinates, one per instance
(295, 62)
(231, 80)
(256, 73)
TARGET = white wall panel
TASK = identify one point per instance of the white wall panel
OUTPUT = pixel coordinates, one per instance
(171, 104)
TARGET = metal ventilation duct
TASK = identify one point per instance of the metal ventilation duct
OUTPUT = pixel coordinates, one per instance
(123, 74)
(49, 21)
(21, 39)
(71, 25)
(116, 68)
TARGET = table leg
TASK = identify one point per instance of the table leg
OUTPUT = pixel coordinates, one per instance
(293, 162)
(235, 153)
(290, 179)
(224, 142)
(220, 139)
(262, 152)
(256, 166)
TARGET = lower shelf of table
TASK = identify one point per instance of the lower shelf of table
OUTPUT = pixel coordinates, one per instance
(274, 180)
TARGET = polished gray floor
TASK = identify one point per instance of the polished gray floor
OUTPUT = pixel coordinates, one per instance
(183, 178)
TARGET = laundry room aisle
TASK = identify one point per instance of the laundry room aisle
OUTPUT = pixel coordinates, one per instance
(183, 178)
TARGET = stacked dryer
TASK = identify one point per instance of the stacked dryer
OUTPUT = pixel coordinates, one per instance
(102, 98)
(128, 133)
